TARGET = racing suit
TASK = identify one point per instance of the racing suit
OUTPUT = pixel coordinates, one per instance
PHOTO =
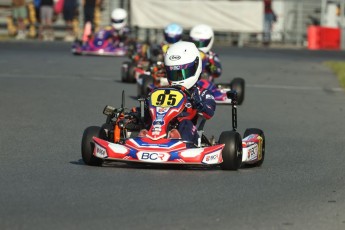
(200, 102)
(118, 36)
(211, 66)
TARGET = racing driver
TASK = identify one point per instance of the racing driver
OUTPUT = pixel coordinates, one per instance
(183, 68)
(203, 37)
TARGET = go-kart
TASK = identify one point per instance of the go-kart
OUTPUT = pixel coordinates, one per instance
(100, 44)
(99, 48)
(131, 70)
(152, 78)
(139, 64)
(161, 143)
(220, 90)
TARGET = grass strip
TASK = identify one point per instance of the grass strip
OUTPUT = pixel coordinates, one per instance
(338, 67)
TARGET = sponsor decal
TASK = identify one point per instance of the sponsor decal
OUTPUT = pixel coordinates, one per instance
(252, 153)
(157, 126)
(175, 67)
(211, 158)
(153, 156)
(174, 57)
(162, 109)
(100, 151)
(208, 96)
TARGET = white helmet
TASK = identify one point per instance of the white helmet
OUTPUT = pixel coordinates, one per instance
(202, 36)
(183, 64)
(173, 33)
(118, 18)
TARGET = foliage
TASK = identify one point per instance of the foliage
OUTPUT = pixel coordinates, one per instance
(338, 67)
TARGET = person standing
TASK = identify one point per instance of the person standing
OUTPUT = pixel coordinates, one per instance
(37, 4)
(19, 14)
(89, 11)
(69, 11)
(270, 18)
(46, 13)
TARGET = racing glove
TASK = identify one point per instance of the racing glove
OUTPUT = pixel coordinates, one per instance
(213, 69)
(197, 102)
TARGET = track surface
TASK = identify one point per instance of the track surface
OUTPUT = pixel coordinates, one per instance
(48, 97)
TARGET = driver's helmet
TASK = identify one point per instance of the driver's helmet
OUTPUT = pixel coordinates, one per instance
(118, 18)
(183, 64)
(173, 33)
(202, 36)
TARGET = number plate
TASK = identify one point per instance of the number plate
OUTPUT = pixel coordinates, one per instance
(166, 98)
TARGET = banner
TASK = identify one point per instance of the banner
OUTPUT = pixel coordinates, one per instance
(223, 16)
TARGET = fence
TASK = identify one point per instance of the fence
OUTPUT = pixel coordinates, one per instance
(294, 16)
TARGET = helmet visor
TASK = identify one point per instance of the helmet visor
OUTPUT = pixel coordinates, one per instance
(172, 38)
(117, 21)
(201, 43)
(182, 72)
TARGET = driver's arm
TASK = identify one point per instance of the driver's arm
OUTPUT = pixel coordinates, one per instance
(209, 104)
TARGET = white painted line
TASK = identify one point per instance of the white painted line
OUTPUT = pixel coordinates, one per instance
(287, 87)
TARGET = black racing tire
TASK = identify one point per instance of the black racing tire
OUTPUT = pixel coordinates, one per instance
(238, 84)
(232, 151)
(76, 53)
(131, 73)
(262, 135)
(87, 145)
(124, 71)
(147, 80)
(139, 88)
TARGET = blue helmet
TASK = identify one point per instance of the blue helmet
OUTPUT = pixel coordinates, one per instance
(173, 33)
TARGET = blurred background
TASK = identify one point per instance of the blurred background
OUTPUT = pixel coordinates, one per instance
(236, 23)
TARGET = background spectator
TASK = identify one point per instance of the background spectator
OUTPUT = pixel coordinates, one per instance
(37, 4)
(19, 15)
(46, 13)
(70, 8)
(89, 11)
(270, 18)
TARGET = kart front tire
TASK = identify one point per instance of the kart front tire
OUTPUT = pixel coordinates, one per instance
(131, 74)
(238, 84)
(262, 135)
(87, 145)
(124, 71)
(232, 151)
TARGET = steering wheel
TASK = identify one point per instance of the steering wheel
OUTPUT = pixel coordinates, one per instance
(182, 88)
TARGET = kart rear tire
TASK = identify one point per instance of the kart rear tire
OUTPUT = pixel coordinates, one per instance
(262, 135)
(238, 84)
(124, 71)
(87, 145)
(232, 151)
(147, 81)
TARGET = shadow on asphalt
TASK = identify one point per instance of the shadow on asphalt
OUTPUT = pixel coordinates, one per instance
(133, 165)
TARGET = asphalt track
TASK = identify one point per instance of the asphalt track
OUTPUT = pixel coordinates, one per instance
(48, 97)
